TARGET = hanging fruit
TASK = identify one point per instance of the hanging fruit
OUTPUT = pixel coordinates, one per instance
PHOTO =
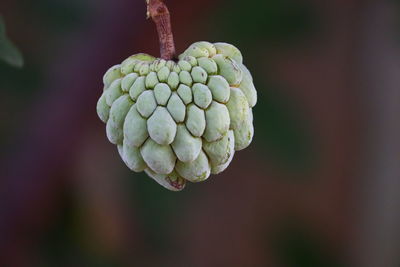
(179, 118)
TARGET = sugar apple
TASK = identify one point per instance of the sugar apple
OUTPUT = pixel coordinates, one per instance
(179, 120)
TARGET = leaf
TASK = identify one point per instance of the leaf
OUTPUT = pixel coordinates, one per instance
(9, 53)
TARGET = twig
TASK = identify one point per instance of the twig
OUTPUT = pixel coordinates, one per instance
(159, 13)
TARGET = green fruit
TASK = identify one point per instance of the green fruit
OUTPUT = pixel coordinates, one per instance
(179, 121)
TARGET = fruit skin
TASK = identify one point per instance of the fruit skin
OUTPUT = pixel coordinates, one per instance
(179, 121)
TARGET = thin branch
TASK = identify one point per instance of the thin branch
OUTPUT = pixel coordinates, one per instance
(159, 13)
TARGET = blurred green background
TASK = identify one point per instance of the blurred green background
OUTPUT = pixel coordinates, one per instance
(287, 200)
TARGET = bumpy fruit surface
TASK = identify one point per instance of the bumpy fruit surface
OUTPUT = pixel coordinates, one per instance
(179, 121)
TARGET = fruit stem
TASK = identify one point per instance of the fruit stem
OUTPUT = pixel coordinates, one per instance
(159, 13)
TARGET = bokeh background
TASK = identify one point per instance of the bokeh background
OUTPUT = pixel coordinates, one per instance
(318, 187)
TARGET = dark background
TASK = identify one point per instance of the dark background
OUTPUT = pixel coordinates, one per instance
(318, 187)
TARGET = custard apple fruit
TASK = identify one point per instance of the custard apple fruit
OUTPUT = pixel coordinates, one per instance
(179, 120)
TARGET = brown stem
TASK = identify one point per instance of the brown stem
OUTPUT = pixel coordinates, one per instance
(159, 13)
